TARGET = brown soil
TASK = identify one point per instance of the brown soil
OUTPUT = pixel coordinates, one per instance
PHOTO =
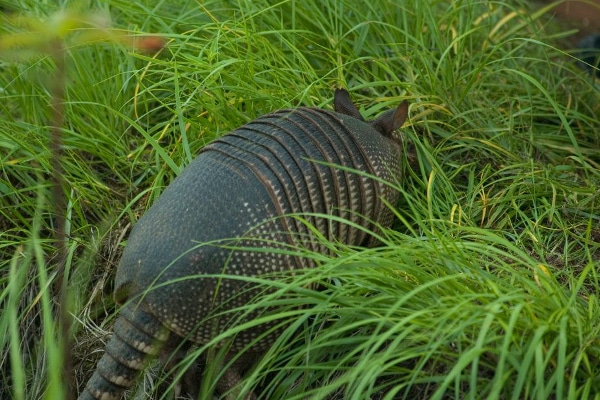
(580, 14)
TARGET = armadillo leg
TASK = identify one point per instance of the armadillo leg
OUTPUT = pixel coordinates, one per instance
(138, 337)
(230, 381)
(170, 358)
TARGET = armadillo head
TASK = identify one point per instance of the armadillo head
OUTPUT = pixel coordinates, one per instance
(386, 123)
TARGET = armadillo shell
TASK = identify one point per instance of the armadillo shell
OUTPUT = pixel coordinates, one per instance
(240, 192)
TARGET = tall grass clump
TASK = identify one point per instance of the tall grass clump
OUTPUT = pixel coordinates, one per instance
(487, 285)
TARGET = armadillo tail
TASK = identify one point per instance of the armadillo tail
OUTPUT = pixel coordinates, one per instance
(138, 337)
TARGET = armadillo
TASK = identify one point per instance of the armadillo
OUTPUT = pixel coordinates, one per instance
(246, 190)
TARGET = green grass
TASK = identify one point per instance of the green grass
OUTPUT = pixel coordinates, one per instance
(486, 287)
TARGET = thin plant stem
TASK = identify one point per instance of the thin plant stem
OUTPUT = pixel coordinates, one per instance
(60, 204)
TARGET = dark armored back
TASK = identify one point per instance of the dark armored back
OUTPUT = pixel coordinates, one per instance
(266, 184)
(309, 159)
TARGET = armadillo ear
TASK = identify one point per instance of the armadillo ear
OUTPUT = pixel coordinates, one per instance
(343, 104)
(391, 120)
